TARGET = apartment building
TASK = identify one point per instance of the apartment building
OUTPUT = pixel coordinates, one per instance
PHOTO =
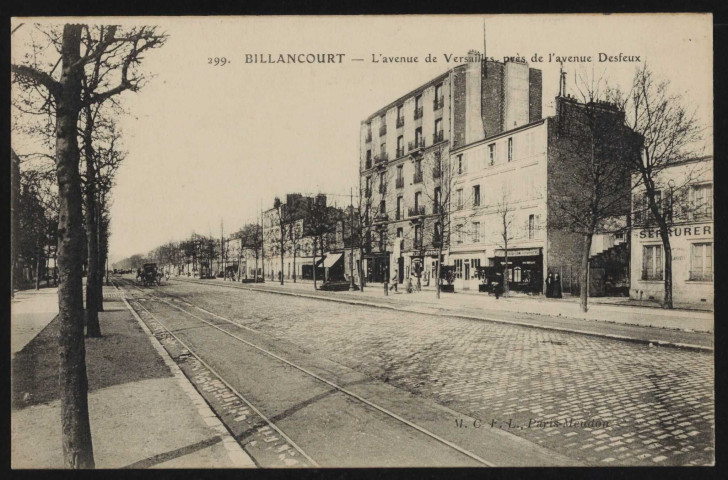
(405, 144)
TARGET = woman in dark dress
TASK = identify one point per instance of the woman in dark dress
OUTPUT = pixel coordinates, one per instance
(556, 289)
(549, 285)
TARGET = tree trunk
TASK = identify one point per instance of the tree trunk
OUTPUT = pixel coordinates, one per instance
(315, 287)
(38, 258)
(506, 270)
(93, 329)
(75, 428)
(437, 269)
(14, 219)
(294, 263)
(584, 277)
(667, 302)
(282, 253)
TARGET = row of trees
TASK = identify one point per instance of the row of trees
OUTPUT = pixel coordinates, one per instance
(67, 82)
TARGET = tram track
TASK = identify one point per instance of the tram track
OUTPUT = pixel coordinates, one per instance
(366, 403)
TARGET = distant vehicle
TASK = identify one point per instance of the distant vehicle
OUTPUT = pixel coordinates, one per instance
(151, 275)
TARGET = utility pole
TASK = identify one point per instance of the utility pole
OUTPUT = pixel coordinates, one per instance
(351, 239)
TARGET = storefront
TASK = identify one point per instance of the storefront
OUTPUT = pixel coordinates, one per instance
(692, 264)
(424, 264)
(525, 268)
(465, 269)
(376, 266)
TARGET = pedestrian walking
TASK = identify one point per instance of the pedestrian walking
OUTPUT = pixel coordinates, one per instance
(497, 289)
(550, 285)
(395, 278)
(556, 290)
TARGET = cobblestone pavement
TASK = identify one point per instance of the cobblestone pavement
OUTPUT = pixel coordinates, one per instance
(599, 401)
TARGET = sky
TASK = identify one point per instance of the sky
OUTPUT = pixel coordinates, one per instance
(213, 145)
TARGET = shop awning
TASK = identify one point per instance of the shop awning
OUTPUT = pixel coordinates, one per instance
(331, 260)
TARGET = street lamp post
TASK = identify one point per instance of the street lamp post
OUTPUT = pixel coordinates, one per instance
(351, 241)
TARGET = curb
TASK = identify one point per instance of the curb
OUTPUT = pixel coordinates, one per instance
(661, 343)
(237, 455)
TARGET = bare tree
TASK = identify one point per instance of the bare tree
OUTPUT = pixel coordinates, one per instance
(64, 92)
(592, 187)
(670, 134)
(505, 211)
(319, 224)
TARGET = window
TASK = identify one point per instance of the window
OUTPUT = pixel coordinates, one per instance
(460, 164)
(510, 149)
(400, 208)
(418, 102)
(382, 207)
(400, 233)
(400, 111)
(438, 91)
(476, 232)
(701, 262)
(437, 206)
(438, 233)
(491, 154)
(458, 263)
(400, 146)
(418, 201)
(702, 201)
(418, 137)
(474, 263)
(383, 148)
(368, 190)
(531, 226)
(400, 172)
(459, 233)
(418, 236)
(382, 241)
(476, 195)
(460, 198)
(438, 131)
(652, 262)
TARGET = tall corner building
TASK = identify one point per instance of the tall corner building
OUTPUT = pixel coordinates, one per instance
(484, 120)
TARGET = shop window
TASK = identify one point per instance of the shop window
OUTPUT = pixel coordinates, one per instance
(458, 263)
(652, 262)
(517, 274)
(701, 262)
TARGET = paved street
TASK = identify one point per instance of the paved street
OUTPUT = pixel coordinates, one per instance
(593, 400)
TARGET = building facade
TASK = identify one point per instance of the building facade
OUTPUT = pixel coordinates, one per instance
(405, 145)
(686, 191)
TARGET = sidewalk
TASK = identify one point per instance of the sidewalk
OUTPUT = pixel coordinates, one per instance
(644, 324)
(144, 413)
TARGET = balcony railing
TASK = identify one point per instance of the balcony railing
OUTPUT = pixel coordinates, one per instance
(418, 177)
(381, 217)
(382, 157)
(383, 130)
(369, 136)
(416, 211)
(438, 136)
(439, 103)
(399, 183)
(418, 112)
(417, 144)
(649, 275)
(701, 276)
(400, 122)
(400, 152)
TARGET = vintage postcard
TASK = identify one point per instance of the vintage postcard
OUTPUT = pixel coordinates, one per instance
(362, 241)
